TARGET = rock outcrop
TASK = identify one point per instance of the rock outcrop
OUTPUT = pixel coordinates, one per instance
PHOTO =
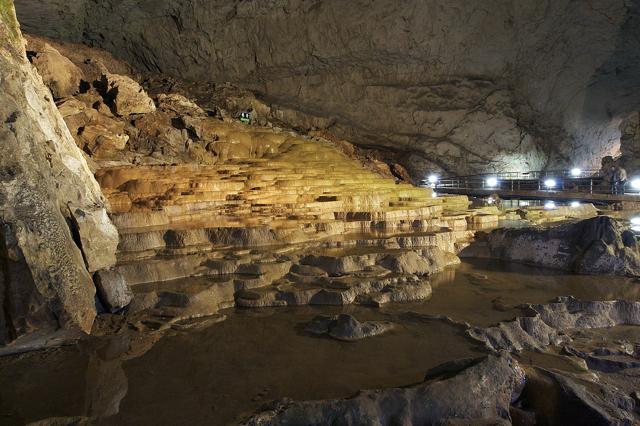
(125, 95)
(58, 73)
(54, 226)
(590, 372)
(566, 399)
(214, 213)
(346, 327)
(480, 393)
(630, 142)
(600, 245)
(451, 85)
(548, 323)
(113, 290)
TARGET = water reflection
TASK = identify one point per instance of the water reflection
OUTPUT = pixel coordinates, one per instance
(106, 382)
(75, 381)
(217, 374)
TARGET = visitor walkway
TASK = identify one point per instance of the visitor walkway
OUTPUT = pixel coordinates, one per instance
(563, 185)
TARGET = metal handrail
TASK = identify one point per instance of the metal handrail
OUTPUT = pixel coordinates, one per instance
(536, 174)
(587, 181)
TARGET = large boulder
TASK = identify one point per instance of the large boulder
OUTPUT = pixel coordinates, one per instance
(59, 74)
(600, 245)
(427, 261)
(44, 282)
(126, 95)
(480, 393)
(563, 399)
(113, 290)
(94, 132)
(547, 324)
(98, 237)
(408, 262)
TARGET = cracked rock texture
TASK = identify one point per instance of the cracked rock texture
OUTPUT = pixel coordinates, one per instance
(47, 194)
(577, 400)
(478, 394)
(461, 86)
(549, 322)
(600, 245)
(630, 142)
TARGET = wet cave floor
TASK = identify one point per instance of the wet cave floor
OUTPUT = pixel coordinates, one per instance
(222, 373)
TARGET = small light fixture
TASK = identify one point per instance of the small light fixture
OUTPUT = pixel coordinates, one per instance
(492, 182)
(635, 183)
(576, 172)
(550, 183)
(490, 200)
(433, 179)
(549, 205)
(575, 204)
(635, 221)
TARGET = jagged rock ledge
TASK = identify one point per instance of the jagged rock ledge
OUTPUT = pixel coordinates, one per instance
(600, 245)
(441, 399)
(549, 323)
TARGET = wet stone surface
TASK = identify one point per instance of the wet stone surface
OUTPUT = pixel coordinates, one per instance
(260, 366)
(346, 327)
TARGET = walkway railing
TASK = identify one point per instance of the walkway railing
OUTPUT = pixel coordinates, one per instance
(573, 181)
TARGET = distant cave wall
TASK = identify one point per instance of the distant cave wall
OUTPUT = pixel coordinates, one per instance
(454, 85)
(613, 97)
(630, 143)
(52, 18)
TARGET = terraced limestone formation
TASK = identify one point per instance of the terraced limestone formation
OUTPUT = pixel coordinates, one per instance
(300, 223)
(212, 212)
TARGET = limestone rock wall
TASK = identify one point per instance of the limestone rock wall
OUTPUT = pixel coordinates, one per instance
(49, 199)
(597, 246)
(630, 142)
(462, 86)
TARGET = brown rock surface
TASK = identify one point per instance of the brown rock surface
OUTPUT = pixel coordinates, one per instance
(480, 393)
(45, 285)
(59, 74)
(113, 290)
(96, 132)
(126, 96)
(92, 62)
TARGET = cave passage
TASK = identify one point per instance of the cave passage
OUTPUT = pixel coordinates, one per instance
(294, 212)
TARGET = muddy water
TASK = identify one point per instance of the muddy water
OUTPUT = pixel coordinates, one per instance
(483, 292)
(218, 374)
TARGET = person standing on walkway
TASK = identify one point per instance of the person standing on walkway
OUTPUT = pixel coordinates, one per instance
(621, 179)
(611, 178)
